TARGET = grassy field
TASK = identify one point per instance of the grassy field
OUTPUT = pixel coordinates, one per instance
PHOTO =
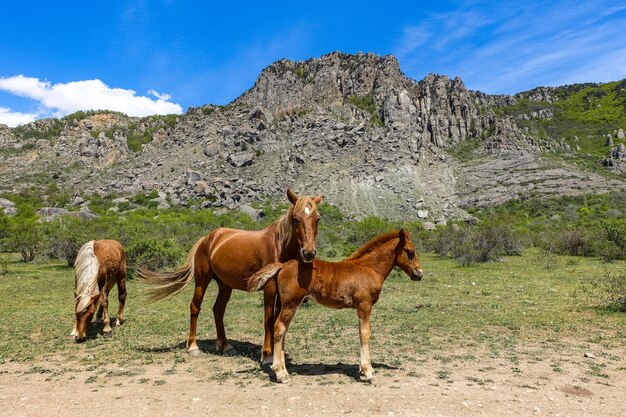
(515, 311)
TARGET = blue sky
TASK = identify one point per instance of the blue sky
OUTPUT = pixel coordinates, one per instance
(148, 57)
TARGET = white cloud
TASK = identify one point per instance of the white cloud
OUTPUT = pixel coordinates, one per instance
(510, 47)
(64, 98)
(12, 119)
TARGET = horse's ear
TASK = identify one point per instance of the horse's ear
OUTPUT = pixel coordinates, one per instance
(318, 199)
(402, 235)
(292, 197)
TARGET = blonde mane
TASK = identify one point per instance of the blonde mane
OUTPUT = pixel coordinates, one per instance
(86, 268)
(374, 243)
(284, 227)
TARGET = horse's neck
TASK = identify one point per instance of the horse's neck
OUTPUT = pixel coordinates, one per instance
(286, 251)
(381, 259)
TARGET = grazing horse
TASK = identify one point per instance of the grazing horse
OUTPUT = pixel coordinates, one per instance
(354, 282)
(230, 256)
(99, 265)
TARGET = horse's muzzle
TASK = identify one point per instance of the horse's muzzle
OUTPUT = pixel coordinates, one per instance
(308, 255)
(417, 275)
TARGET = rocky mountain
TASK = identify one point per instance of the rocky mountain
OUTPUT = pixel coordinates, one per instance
(353, 127)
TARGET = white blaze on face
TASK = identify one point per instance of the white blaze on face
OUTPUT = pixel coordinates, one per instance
(307, 211)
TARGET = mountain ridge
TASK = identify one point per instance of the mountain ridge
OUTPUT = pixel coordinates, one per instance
(351, 126)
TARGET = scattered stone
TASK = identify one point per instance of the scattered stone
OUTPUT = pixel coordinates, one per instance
(255, 214)
(78, 200)
(8, 207)
(212, 149)
(429, 226)
(589, 355)
(193, 177)
(422, 214)
(241, 159)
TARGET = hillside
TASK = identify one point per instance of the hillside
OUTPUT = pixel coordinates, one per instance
(350, 126)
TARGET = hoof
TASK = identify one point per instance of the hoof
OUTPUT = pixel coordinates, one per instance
(371, 381)
(266, 364)
(118, 322)
(230, 351)
(80, 339)
(194, 352)
(368, 379)
(107, 335)
(282, 378)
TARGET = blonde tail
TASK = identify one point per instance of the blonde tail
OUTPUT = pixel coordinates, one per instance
(172, 282)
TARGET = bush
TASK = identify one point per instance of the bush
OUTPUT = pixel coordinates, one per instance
(154, 254)
(65, 236)
(26, 237)
(610, 288)
(474, 244)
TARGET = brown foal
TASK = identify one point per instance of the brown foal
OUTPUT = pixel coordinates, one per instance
(355, 282)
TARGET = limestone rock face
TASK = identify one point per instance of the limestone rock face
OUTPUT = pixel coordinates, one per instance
(352, 127)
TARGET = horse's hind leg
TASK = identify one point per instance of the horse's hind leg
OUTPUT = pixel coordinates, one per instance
(219, 308)
(121, 296)
(104, 305)
(202, 281)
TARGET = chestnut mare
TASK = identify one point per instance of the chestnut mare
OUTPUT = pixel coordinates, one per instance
(354, 282)
(99, 265)
(230, 256)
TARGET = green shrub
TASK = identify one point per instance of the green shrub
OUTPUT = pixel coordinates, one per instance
(65, 236)
(26, 237)
(154, 254)
(474, 244)
(609, 288)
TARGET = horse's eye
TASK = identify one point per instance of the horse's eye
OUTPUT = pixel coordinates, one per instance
(294, 220)
(410, 254)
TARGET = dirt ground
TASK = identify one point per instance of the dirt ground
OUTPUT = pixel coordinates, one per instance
(490, 387)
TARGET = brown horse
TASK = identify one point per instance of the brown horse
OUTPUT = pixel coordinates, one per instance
(99, 265)
(230, 256)
(354, 282)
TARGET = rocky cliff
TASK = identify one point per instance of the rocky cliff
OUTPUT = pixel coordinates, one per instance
(350, 126)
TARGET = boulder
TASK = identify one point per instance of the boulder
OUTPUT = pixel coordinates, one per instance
(212, 149)
(8, 207)
(241, 159)
(49, 212)
(255, 214)
(429, 226)
(193, 177)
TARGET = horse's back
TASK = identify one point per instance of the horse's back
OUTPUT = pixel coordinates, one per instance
(111, 256)
(234, 255)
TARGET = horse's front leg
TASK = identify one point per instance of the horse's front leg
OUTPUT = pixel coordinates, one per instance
(271, 309)
(121, 296)
(364, 311)
(287, 311)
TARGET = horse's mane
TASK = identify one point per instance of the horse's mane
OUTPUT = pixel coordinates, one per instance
(373, 243)
(86, 268)
(284, 228)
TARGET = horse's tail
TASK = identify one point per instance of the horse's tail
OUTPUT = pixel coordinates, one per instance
(260, 277)
(171, 282)
(86, 269)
